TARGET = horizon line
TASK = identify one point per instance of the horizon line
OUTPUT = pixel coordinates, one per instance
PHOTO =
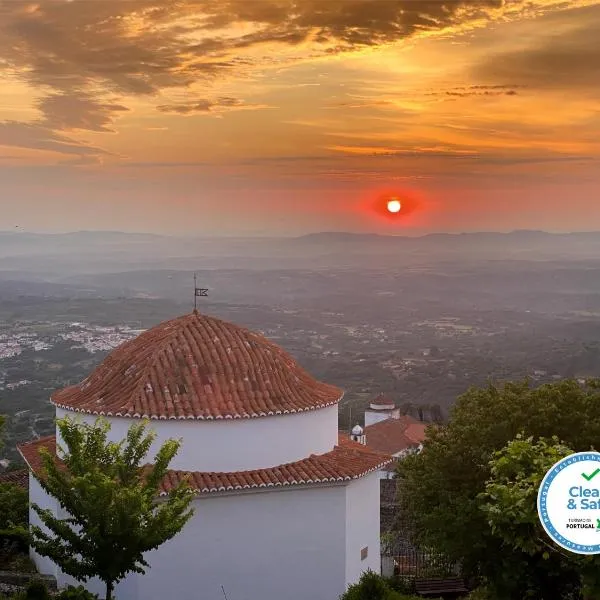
(292, 237)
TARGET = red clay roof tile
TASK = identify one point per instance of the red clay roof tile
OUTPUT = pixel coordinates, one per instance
(197, 367)
(348, 460)
(394, 435)
(383, 400)
(20, 478)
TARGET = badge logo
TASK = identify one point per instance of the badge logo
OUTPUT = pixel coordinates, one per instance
(569, 503)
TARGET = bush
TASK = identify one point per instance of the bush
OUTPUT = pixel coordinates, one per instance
(76, 593)
(14, 539)
(15, 506)
(403, 585)
(37, 590)
(374, 587)
(15, 596)
(480, 593)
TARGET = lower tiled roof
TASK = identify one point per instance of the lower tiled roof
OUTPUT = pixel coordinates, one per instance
(20, 478)
(395, 435)
(347, 461)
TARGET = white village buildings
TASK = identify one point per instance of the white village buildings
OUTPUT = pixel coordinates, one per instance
(286, 506)
(388, 431)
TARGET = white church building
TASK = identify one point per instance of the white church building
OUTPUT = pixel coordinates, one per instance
(286, 507)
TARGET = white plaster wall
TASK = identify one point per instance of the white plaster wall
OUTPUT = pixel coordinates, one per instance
(240, 444)
(374, 416)
(362, 526)
(285, 545)
(292, 544)
(38, 496)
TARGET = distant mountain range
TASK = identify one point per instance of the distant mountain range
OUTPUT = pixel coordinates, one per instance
(347, 234)
(54, 257)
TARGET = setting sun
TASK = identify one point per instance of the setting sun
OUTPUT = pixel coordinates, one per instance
(394, 205)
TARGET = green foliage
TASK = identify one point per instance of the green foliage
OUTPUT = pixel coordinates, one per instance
(14, 520)
(481, 593)
(111, 500)
(510, 496)
(15, 596)
(441, 487)
(403, 585)
(15, 559)
(372, 586)
(37, 590)
(509, 503)
(14, 501)
(76, 593)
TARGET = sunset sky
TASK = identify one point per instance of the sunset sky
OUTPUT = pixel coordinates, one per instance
(278, 117)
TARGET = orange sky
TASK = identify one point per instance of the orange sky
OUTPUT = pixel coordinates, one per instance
(278, 117)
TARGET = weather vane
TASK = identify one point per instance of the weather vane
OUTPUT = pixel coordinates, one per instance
(198, 292)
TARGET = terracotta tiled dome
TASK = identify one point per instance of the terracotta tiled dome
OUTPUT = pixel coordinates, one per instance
(197, 367)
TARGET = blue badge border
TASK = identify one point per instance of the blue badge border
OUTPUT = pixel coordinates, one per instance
(543, 511)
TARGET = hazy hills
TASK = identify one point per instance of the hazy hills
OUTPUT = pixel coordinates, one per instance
(61, 258)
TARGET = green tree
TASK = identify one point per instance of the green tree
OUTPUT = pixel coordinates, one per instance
(14, 506)
(441, 486)
(509, 503)
(372, 586)
(111, 501)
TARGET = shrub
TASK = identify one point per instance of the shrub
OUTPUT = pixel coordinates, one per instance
(14, 596)
(76, 593)
(372, 586)
(403, 585)
(480, 593)
(37, 590)
(14, 537)
(15, 506)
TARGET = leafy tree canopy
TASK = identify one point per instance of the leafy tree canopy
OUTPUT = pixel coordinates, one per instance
(14, 506)
(510, 500)
(441, 487)
(112, 513)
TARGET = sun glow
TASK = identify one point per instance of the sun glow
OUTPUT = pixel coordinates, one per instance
(394, 205)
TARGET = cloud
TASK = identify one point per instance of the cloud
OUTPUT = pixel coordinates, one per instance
(79, 53)
(224, 103)
(11, 157)
(402, 101)
(419, 152)
(138, 47)
(78, 111)
(553, 62)
(36, 136)
(449, 153)
(477, 90)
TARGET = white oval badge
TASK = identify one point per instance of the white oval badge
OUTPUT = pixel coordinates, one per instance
(569, 503)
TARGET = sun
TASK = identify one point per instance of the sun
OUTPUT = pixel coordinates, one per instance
(394, 205)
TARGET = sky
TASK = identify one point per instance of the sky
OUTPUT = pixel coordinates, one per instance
(281, 117)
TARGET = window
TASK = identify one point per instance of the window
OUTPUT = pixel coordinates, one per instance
(364, 553)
